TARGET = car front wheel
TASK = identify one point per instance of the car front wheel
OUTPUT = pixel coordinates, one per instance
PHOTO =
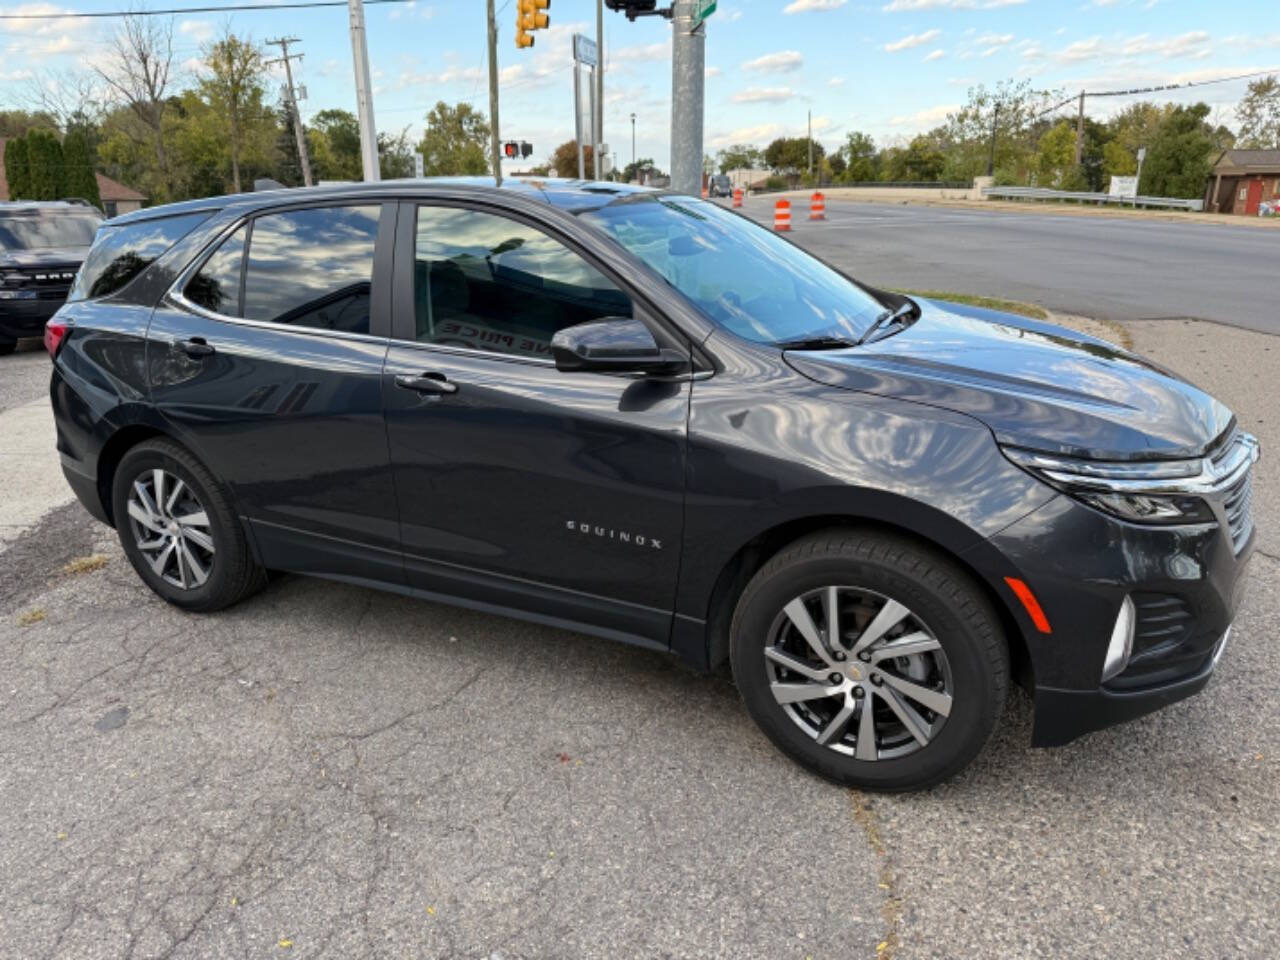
(871, 660)
(178, 529)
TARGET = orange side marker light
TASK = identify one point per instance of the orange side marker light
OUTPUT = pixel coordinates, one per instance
(1030, 603)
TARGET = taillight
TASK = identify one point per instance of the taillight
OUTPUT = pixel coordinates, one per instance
(55, 331)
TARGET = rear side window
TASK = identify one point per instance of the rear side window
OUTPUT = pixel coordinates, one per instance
(312, 268)
(217, 286)
(122, 252)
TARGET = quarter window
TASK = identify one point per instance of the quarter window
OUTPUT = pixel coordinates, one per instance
(122, 252)
(489, 283)
(312, 268)
(217, 286)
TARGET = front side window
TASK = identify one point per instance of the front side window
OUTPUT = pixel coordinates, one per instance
(740, 274)
(217, 286)
(489, 283)
(122, 252)
(312, 268)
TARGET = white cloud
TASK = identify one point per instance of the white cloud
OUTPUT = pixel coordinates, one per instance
(901, 5)
(1193, 44)
(638, 54)
(764, 95)
(42, 28)
(930, 117)
(935, 55)
(757, 134)
(994, 40)
(200, 31)
(712, 72)
(836, 82)
(912, 40)
(1080, 50)
(806, 6)
(784, 61)
(411, 10)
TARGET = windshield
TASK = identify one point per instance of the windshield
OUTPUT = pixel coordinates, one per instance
(47, 230)
(746, 279)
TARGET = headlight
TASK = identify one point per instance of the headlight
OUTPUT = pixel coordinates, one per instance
(1158, 491)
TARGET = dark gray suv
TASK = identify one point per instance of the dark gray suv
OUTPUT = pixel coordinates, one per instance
(639, 415)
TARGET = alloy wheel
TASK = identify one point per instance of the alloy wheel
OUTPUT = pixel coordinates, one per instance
(858, 672)
(171, 529)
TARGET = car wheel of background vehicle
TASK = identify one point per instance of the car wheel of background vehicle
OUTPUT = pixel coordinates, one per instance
(177, 526)
(7, 347)
(872, 660)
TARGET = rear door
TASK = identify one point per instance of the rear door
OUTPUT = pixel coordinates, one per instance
(267, 360)
(559, 494)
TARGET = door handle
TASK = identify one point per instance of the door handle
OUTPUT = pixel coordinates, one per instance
(197, 348)
(426, 383)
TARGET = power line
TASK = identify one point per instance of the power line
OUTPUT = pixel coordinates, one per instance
(1177, 86)
(107, 14)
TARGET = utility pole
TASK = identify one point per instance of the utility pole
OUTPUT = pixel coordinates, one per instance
(364, 92)
(1080, 131)
(303, 159)
(599, 118)
(633, 141)
(688, 74)
(493, 96)
(991, 157)
(810, 144)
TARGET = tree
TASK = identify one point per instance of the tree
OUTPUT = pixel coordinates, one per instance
(1055, 159)
(16, 169)
(16, 123)
(333, 141)
(1132, 128)
(456, 141)
(565, 159)
(1259, 115)
(860, 158)
(1180, 155)
(235, 87)
(1008, 113)
(46, 177)
(790, 155)
(836, 164)
(137, 74)
(395, 156)
(742, 156)
(79, 160)
(637, 170)
(919, 162)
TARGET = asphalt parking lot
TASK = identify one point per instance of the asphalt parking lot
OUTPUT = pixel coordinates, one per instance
(327, 771)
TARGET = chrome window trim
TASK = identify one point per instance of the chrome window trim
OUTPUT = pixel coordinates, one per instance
(175, 296)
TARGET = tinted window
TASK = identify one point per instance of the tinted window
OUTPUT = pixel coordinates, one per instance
(217, 286)
(489, 283)
(121, 253)
(312, 268)
(44, 230)
(742, 275)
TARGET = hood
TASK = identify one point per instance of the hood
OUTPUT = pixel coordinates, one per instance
(43, 257)
(1034, 384)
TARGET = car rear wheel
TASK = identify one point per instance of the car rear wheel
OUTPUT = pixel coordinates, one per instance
(176, 525)
(869, 659)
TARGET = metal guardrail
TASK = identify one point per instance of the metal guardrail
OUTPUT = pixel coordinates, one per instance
(891, 184)
(1043, 193)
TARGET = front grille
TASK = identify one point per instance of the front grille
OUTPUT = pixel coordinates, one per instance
(52, 283)
(1238, 505)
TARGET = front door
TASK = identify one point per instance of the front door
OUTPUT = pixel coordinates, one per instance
(520, 486)
(268, 364)
(1255, 198)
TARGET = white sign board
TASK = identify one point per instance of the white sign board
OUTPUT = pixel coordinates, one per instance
(417, 165)
(584, 49)
(1124, 187)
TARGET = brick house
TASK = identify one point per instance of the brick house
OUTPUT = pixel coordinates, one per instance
(116, 197)
(1242, 180)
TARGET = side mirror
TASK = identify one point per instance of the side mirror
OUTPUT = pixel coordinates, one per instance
(614, 345)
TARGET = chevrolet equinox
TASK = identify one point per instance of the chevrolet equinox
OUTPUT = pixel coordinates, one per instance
(639, 415)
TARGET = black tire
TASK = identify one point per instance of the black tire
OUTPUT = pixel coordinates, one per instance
(232, 574)
(7, 347)
(939, 594)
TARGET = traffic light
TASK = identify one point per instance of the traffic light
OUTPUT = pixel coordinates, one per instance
(529, 17)
(511, 149)
(526, 148)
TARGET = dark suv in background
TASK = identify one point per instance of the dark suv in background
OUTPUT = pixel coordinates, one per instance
(640, 415)
(41, 247)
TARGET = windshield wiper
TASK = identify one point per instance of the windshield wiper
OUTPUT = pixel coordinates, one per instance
(907, 309)
(817, 343)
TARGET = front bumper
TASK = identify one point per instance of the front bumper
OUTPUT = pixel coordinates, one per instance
(26, 318)
(1186, 583)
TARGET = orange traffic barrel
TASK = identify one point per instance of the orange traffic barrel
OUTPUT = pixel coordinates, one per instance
(737, 196)
(782, 215)
(817, 207)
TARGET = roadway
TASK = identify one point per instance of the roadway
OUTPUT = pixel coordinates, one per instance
(1116, 268)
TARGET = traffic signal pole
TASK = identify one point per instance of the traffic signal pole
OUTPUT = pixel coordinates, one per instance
(688, 74)
(493, 95)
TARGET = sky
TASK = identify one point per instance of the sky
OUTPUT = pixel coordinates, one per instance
(890, 68)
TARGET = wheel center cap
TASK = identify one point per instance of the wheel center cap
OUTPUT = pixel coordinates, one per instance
(174, 528)
(853, 672)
